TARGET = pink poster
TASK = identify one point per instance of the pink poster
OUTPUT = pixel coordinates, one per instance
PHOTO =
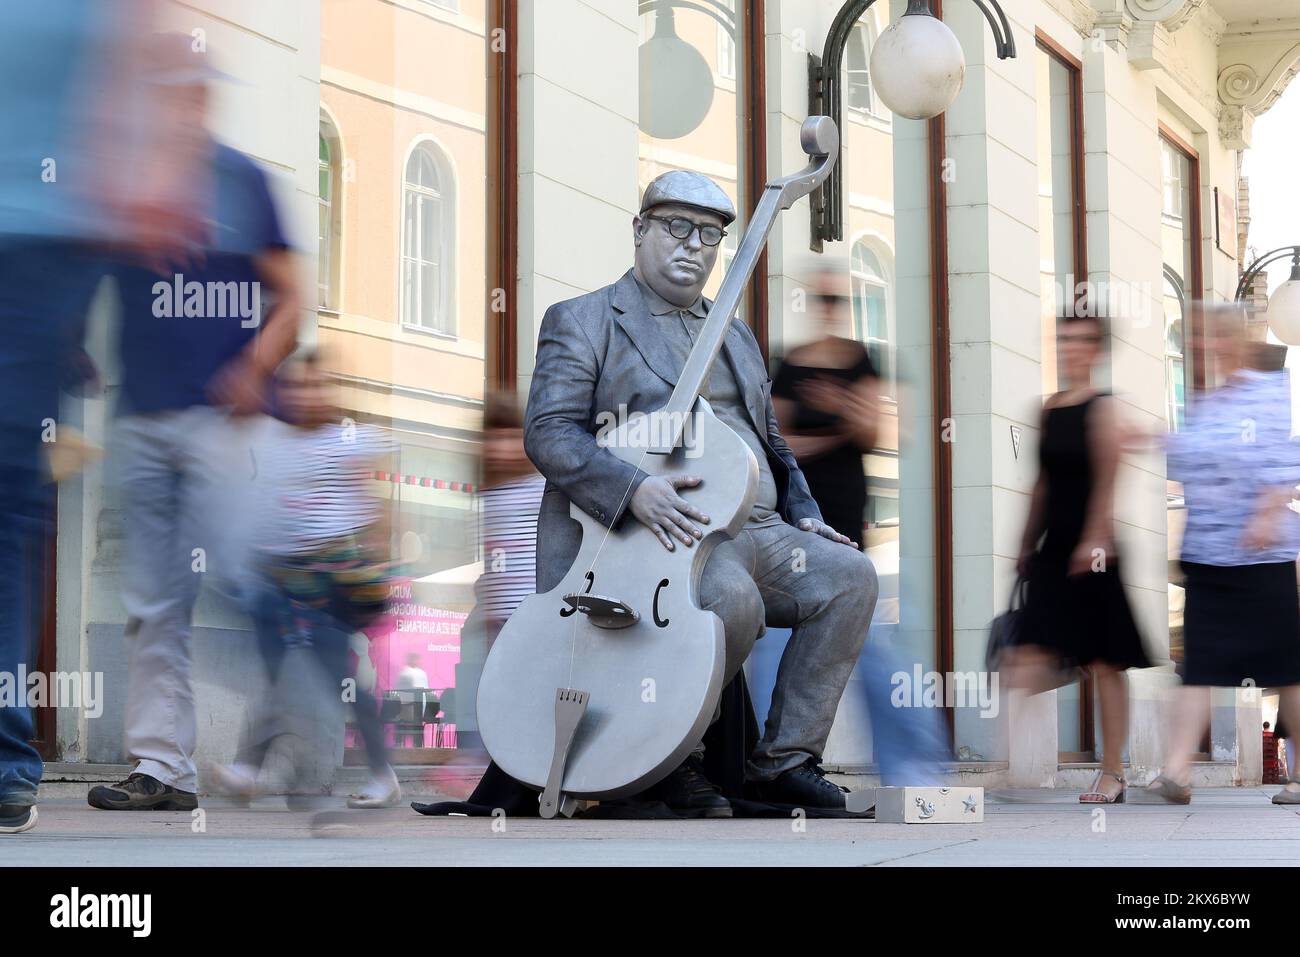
(414, 647)
(413, 639)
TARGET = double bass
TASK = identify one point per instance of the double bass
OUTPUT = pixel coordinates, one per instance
(600, 687)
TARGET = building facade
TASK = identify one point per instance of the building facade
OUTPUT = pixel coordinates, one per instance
(476, 161)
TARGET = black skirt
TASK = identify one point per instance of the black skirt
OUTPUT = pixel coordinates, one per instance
(1082, 619)
(1241, 625)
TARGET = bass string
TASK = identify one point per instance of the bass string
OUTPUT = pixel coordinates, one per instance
(573, 636)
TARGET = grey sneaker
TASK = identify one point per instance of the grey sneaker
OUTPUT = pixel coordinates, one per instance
(141, 792)
(17, 817)
(1285, 796)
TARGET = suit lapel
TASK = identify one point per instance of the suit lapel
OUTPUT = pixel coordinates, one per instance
(633, 318)
(750, 375)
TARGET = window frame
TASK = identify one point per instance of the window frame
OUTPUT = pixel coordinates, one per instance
(872, 244)
(329, 293)
(445, 196)
(1193, 285)
(866, 24)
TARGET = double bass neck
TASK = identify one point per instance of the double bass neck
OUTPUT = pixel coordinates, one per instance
(820, 140)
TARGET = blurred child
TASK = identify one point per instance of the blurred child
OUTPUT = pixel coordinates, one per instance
(324, 556)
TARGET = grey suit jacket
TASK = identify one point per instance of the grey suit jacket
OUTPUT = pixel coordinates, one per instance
(595, 353)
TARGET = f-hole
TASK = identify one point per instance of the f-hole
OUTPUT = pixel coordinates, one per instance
(591, 578)
(661, 622)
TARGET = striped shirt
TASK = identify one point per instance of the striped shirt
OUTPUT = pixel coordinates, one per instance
(509, 536)
(1236, 445)
(318, 486)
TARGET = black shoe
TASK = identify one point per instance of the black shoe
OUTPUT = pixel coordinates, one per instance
(804, 786)
(689, 793)
(140, 792)
(17, 817)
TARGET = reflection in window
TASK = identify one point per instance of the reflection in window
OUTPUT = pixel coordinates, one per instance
(1175, 376)
(1058, 253)
(726, 47)
(871, 309)
(425, 218)
(325, 221)
(860, 95)
(1173, 175)
(1178, 238)
(687, 119)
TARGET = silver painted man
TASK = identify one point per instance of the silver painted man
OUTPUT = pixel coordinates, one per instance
(625, 345)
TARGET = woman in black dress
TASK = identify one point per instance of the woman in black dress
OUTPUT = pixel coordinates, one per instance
(827, 400)
(1076, 614)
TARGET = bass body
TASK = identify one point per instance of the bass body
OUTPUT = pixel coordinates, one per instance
(660, 676)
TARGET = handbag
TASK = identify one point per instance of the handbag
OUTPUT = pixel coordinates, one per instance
(1007, 629)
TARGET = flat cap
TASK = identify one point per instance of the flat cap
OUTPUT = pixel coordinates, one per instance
(689, 189)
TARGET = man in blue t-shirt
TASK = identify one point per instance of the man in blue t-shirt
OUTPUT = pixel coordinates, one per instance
(201, 334)
(83, 174)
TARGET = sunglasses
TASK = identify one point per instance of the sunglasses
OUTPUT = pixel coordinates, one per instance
(679, 227)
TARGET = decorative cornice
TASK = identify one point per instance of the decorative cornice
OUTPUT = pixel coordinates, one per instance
(1080, 13)
(1171, 14)
(1242, 83)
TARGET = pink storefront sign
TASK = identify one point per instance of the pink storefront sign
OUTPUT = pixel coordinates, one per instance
(416, 645)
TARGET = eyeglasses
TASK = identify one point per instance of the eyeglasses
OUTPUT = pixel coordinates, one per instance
(679, 227)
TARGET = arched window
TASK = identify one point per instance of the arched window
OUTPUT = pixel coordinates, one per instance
(859, 95)
(871, 310)
(327, 233)
(427, 270)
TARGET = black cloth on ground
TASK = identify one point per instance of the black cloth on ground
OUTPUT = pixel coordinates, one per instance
(727, 744)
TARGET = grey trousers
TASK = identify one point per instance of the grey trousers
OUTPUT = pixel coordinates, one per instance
(174, 473)
(775, 574)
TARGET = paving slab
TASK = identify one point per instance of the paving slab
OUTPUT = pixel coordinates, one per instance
(1226, 826)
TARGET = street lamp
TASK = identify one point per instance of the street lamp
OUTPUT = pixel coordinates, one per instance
(917, 67)
(1283, 312)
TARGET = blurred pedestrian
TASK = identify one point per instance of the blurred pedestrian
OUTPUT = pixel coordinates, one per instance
(324, 554)
(509, 503)
(72, 120)
(1076, 615)
(1241, 620)
(201, 335)
(827, 399)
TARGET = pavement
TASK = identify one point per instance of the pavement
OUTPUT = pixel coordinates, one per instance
(1221, 827)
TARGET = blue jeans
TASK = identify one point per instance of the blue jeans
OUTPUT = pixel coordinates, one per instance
(909, 745)
(45, 288)
(281, 624)
(20, 765)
